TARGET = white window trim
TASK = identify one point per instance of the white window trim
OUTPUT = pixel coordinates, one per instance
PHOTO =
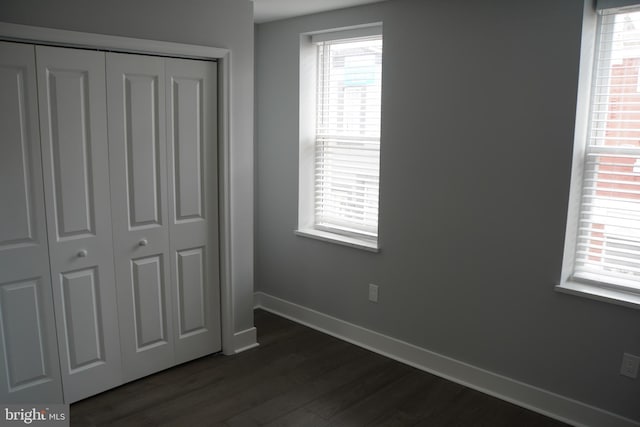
(307, 124)
(597, 291)
(568, 284)
(326, 236)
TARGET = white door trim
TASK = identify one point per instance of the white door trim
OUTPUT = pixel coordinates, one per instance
(64, 38)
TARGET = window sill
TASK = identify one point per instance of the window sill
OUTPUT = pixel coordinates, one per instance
(613, 296)
(339, 239)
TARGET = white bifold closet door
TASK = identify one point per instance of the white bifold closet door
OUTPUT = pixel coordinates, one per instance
(73, 125)
(163, 163)
(109, 263)
(28, 347)
(191, 98)
(137, 150)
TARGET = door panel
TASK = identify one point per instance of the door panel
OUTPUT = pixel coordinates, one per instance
(71, 87)
(17, 224)
(137, 149)
(28, 348)
(67, 93)
(188, 148)
(193, 222)
(148, 298)
(82, 319)
(148, 295)
(24, 344)
(143, 148)
(191, 292)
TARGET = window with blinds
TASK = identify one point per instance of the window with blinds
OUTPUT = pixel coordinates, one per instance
(608, 238)
(347, 139)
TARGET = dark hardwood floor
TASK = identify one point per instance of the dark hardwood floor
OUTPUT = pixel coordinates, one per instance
(298, 377)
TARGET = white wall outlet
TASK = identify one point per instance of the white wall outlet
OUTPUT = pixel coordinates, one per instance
(373, 292)
(630, 365)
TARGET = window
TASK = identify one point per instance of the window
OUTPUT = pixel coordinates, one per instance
(604, 235)
(341, 196)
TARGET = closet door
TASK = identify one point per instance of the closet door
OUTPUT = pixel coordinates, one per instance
(28, 349)
(137, 152)
(71, 87)
(193, 206)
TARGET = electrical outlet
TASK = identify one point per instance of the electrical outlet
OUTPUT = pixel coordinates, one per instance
(373, 292)
(630, 365)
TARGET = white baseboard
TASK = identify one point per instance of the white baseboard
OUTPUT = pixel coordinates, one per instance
(536, 399)
(245, 340)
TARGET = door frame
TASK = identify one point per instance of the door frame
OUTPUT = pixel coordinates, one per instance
(76, 39)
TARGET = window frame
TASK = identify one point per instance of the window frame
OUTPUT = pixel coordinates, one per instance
(308, 82)
(586, 287)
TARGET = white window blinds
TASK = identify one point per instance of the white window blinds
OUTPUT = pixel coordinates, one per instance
(347, 151)
(608, 239)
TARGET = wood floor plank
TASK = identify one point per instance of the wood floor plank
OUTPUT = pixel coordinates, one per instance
(354, 392)
(302, 417)
(260, 388)
(297, 377)
(381, 402)
(422, 405)
(303, 393)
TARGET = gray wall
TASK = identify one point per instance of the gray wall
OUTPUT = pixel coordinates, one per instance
(219, 23)
(479, 104)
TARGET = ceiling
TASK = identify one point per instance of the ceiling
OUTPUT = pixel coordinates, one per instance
(271, 10)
